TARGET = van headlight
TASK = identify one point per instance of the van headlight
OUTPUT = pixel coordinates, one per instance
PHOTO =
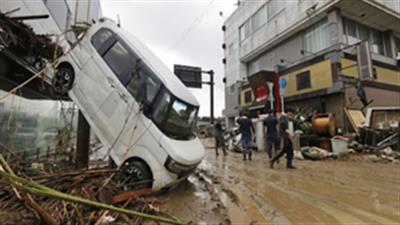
(178, 168)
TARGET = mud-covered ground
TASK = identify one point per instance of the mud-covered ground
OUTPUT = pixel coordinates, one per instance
(227, 190)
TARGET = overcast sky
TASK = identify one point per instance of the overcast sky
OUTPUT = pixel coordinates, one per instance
(180, 32)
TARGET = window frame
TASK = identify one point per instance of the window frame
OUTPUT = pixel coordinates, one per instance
(248, 96)
(277, 12)
(300, 81)
(396, 45)
(243, 26)
(316, 31)
(371, 38)
(262, 8)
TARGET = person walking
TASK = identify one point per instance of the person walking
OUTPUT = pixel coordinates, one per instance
(246, 129)
(219, 137)
(271, 130)
(286, 134)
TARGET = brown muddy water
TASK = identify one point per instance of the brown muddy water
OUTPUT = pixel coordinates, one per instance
(228, 190)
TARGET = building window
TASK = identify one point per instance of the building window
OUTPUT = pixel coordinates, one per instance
(355, 32)
(259, 18)
(316, 37)
(245, 30)
(247, 97)
(274, 7)
(397, 45)
(303, 80)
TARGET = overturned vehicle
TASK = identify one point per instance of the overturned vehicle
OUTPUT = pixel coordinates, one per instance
(138, 108)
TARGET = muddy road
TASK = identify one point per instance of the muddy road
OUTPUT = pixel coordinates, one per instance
(228, 190)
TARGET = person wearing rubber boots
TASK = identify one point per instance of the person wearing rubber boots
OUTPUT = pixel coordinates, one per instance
(246, 130)
(286, 134)
(219, 137)
(271, 130)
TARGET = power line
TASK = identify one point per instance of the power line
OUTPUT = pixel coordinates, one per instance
(193, 26)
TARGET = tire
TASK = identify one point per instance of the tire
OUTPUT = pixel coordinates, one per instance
(134, 175)
(63, 80)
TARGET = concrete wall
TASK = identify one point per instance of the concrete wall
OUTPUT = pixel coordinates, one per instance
(289, 51)
(294, 12)
(62, 13)
(320, 78)
(232, 99)
(384, 75)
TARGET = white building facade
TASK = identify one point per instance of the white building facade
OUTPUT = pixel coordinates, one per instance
(261, 35)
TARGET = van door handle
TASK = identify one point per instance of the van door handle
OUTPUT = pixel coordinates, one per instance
(123, 97)
(111, 82)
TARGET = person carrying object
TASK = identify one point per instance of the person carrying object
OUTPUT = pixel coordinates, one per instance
(271, 130)
(219, 137)
(286, 134)
(246, 130)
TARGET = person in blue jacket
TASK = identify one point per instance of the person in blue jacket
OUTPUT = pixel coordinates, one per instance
(271, 129)
(246, 130)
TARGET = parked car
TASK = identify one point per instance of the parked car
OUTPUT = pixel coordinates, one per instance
(141, 112)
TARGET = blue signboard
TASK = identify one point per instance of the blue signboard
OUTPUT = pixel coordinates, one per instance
(282, 83)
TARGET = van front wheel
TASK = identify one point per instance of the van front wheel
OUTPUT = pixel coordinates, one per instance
(134, 175)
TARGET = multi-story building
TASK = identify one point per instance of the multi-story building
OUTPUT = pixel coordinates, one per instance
(310, 44)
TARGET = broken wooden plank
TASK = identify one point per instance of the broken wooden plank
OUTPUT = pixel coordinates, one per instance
(130, 195)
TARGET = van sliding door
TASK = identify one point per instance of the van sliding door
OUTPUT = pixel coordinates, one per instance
(117, 114)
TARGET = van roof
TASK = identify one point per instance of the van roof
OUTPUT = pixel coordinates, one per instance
(167, 77)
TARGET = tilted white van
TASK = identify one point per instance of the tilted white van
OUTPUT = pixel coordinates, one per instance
(141, 112)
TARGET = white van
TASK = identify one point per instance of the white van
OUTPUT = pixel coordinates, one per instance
(137, 107)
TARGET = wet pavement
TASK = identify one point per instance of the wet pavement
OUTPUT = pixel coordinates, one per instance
(228, 190)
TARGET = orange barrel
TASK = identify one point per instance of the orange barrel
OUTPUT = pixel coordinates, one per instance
(324, 124)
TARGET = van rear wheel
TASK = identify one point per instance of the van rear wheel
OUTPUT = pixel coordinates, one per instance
(63, 80)
(134, 175)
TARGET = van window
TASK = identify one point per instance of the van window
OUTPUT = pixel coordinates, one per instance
(174, 117)
(161, 109)
(143, 86)
(120, 61)
(181, 119)
(147, 88)
(151, 84)
(100, 38)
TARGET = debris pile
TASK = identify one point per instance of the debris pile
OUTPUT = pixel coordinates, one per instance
(75, 197)
(20, 39)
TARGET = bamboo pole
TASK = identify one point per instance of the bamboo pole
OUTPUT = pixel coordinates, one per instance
(37, 189)
(26, 197)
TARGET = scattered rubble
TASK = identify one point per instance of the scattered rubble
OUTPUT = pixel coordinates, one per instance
(20, 39)
(74, 197)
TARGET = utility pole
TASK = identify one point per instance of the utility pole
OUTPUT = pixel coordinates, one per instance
(83, 142)
(192, 77)
(211, 83)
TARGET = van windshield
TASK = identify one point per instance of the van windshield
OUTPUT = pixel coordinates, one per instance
(175, 117)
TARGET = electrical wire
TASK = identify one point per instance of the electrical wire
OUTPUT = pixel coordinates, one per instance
(196, 22)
